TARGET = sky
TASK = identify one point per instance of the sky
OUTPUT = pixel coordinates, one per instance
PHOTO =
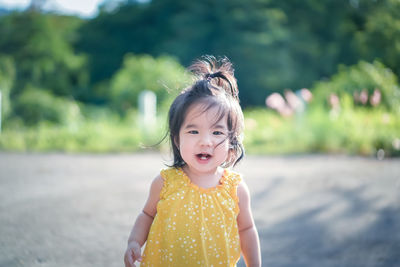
(83, 8)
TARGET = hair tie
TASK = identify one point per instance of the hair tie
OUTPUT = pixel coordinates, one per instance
(209, 76)
(219, 74)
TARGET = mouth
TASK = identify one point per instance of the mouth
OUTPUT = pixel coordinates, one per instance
(203, 156)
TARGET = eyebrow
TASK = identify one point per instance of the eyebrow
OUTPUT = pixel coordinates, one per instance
(218, 126)
(215, 126)
(190, 126)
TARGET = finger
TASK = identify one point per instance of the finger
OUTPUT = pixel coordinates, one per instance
(129, 260)
(137, 253)
(132, 258)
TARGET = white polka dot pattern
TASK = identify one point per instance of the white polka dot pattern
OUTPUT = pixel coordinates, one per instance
(194, 226)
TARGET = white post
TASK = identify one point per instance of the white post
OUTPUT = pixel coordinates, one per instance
(147, 108)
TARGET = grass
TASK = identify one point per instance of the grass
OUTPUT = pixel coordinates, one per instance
(93, 136)
(350, 131)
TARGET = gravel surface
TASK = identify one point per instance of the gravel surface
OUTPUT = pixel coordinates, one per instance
(310, 210)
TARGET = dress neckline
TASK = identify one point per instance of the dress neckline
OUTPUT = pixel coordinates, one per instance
(221, 184)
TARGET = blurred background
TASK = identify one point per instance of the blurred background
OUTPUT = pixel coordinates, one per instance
(95, 78)
(314, 76)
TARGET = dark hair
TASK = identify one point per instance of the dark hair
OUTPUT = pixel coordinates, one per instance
(214, 86)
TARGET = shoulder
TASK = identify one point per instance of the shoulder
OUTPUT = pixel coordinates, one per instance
(157, 182)
(154, 196)
(169, 173)
(156, 187)
(245, 217)
(232, 181)
(243, 192)
(171, 178)
(234, 178)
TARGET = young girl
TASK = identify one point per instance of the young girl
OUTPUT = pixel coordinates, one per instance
(198, 211)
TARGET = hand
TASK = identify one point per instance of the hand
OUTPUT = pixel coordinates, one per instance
(132, 254)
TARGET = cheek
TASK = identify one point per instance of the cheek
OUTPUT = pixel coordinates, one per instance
(185, 144)
(180, 140)
(224, 146)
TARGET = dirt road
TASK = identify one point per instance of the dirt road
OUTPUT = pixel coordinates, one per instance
(313, 210)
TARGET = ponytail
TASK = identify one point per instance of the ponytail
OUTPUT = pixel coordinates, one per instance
(219, 73)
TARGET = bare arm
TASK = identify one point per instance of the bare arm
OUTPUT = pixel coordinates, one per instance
(249, 241)
(142, 224)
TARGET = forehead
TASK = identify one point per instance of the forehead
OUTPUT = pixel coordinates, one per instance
(205, 114)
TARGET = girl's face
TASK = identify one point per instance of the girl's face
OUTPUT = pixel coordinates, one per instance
(203, 141)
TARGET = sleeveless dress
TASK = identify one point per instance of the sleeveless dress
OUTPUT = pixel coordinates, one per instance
(194, 226)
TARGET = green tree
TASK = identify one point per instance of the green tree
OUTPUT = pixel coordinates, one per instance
(7, 77)
(162, 75)
(321, 34)
(378, 34)
(35, 105)
(40, 45)
(349, 81)
(273, 44)
(112, 34)
(249, 33)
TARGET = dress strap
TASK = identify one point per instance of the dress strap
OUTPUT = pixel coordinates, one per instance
(233, 180)
(170, 176)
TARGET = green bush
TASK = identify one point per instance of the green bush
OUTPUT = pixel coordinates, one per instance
(350, 131)
(163, 75)
(363, 76)
(101, 131)
(7, 76)
(36, 105)
(41, 46)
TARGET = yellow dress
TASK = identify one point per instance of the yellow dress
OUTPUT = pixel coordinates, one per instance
(194, 226)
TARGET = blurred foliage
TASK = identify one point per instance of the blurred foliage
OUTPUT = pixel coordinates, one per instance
(363, 76)
(378, 32)
(274, 44)
(7, 77)
(41, 46)
(320, 36)
(248, 32)
(351, 131)
(72, 84)
(35, 105)
(163, 75)
(99, 131)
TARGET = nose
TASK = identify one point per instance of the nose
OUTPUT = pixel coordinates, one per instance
(205, 140)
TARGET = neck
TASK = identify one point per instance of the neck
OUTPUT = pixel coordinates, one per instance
(205, 179)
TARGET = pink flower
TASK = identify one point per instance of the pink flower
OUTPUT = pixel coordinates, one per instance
(277, 102)
(364, 97)
(334, 101)
(356, 97)
(375, 99)
(306, 94)
(294, 102)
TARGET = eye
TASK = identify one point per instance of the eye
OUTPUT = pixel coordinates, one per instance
(193, 132)
(218, 133)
